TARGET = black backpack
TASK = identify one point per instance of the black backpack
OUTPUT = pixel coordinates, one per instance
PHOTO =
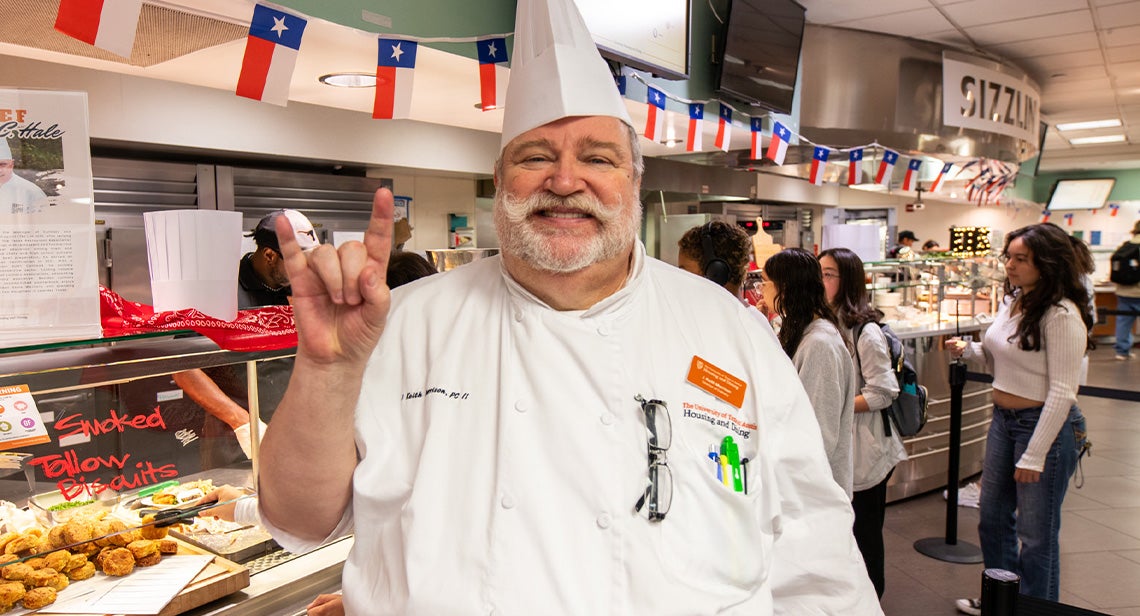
(1126, 264)
(908, 410)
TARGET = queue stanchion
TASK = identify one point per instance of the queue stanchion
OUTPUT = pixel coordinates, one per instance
(948, 548)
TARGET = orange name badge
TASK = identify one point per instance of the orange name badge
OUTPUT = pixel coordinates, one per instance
(717, 382)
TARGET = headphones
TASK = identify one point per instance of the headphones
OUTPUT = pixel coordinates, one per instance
(713, 267)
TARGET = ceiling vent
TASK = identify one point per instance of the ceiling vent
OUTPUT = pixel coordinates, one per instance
(163, 33)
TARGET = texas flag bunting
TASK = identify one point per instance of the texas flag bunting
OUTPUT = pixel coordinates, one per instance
(778, 148)
(270, 55)
(855, 166)
(492, 53)
(106, 24)
(395, 69)
(818, 164)
(941, 174)
(655, 121)
(886, 166)
(1045, 215)
(1113, 209)
(757, 126)
(696, 124)
(1069, 219)
(911, 173)
(724, 128)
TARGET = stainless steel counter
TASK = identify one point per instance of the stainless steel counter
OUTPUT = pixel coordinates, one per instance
(928, 451)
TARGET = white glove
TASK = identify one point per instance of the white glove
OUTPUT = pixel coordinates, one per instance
(245, 438)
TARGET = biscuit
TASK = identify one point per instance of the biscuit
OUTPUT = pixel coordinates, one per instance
(16, 572)
(167, 546)
(82, 573)
(118, 561)
(57, 560)
(41, 577)
(11, 592)
(150, 531)
(147, 561)
(142, 548)
(39, 597)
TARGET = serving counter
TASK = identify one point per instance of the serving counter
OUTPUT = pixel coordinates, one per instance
(926, 301)
(114, 423)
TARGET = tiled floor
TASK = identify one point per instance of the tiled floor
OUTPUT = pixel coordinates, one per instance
(1100, 528)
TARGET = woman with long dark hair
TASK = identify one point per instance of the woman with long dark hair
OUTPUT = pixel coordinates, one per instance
(1034, 349)
(810, 335)
(875, 452)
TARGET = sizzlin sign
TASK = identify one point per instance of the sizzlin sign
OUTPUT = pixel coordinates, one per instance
(983, 99)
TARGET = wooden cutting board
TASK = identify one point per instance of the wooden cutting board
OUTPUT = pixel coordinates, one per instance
(220, 578)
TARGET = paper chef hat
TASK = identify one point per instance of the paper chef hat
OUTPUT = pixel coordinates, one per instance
(5, 150)
(556, 71)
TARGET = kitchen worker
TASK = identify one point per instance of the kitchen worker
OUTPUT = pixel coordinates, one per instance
(222, 391)
(17, 195)
(530, 433)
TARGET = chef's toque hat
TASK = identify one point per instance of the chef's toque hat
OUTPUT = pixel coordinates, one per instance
(5, 150)
(556, 70)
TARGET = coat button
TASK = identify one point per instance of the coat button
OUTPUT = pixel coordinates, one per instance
(604, 521)
(508, 502)
(607, 418)
(521, 406)
(519, 316)
(603, 330)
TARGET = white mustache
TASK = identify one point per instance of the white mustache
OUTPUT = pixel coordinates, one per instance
(518, 210)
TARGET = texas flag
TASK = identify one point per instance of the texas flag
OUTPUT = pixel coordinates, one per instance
(270, 55)
(757, 126)
(855, 166)
(1069, 219)
(1114, 208)
(395, 69)
(106, 24)
(492, 52)
(886, 166)
(724, 128)
(778, 148)
(941, 174)
(655, 121)
(696, 125)
(1045, 215)
(818, 164)
(911, 173)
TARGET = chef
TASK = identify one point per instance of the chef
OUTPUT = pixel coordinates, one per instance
(531, 433)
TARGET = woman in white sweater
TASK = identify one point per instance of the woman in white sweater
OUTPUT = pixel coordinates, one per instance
(1033, 349)
(876, 449)
(809, 334)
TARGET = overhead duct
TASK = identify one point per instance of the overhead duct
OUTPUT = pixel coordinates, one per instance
(861, 87)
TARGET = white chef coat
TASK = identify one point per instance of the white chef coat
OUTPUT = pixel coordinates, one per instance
(17, 196)
(502, 451)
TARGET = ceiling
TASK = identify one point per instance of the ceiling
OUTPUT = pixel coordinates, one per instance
(1084, 54)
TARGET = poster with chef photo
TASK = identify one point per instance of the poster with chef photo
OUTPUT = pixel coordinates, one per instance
(49, 284)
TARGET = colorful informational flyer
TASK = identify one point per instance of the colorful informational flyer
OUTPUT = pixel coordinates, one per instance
(49, 284)
(20, 423)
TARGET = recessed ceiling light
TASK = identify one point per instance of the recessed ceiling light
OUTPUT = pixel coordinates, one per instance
(1088, 125)
(1101, 139)
(349, 80)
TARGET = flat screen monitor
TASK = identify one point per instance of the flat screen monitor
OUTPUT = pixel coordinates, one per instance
(1084, 194)
(761, 52)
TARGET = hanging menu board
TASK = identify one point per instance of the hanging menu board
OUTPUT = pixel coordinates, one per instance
(651, 35)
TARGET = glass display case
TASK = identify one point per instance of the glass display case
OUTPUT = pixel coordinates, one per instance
(926, 301)
(933, 292)
(97, 425)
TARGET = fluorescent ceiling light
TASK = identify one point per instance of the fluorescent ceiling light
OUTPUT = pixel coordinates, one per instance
(349, 80)
(1101, 139)
(1088, 125)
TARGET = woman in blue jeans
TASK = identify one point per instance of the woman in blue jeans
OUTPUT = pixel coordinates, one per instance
(1034, 349)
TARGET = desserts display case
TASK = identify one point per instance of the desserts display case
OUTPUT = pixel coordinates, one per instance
(115, 431)
(926, 301)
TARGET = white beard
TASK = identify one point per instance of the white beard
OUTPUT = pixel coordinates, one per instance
(564, 252)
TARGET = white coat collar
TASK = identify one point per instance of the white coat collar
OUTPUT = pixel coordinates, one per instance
(612, 306)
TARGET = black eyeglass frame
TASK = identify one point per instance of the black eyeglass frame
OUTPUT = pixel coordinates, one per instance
(660, 475)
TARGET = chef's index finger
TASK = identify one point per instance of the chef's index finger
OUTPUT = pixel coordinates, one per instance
(378, 236)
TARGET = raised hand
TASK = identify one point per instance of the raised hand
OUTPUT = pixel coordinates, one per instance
(340, 296)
